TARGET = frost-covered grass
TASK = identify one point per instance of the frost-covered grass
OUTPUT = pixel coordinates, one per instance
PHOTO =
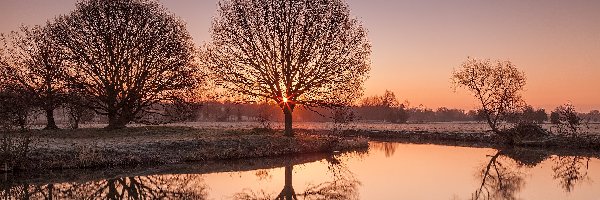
(458, 127)
(92, 147)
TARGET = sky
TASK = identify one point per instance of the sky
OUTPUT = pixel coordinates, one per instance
(417, 44)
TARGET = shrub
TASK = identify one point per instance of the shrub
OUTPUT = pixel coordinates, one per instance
(566, 120)
(14, 150)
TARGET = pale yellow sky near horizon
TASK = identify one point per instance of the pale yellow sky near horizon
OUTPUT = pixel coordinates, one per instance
(416, 44)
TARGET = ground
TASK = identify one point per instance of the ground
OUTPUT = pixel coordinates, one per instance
(93, 147)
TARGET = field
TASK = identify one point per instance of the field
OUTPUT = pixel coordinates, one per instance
(460, 127)
(444, 127)
(93, 147)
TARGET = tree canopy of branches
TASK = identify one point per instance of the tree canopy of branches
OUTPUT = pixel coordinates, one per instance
(301, 52)
(126, 55)
(495, 84)
(16, 103)
(16, 106)
(33, 64)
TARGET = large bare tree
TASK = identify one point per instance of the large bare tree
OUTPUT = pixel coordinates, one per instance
(33, 63)
(293, 52)
(497, 85)
(126, 55)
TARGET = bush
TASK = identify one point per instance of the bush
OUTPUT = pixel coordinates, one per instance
(524, 131)
(14, 150)
(565, 120)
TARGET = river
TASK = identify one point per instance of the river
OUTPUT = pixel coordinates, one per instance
(387, 170)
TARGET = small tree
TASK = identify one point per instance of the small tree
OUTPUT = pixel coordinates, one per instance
(566, 119)
(33, 62)
(302, 52)
(495, 84)
(77, 111)
(126, 55)
(16, 106)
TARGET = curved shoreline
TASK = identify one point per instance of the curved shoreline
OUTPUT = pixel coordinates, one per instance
(99, 148)
(488, 139)
(160, 145)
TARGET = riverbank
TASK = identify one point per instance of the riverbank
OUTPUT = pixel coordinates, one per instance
(100, 148)
(158, 145)
(485, 139)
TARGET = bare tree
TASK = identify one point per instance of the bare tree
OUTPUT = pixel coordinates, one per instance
(495, 84)
(127, 55)
(32, 61)
(566, 119)
(293, 52)
(76, 109)
(16, 105)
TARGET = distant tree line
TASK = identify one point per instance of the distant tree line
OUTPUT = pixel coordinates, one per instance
(384, 108)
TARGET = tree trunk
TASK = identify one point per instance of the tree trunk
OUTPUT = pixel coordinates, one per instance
(22, 121)
(75, 125)
(50, 123)
(116, 122)
(288, 192)
(287, 112)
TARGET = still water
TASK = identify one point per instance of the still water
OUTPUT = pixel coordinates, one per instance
(386, 171)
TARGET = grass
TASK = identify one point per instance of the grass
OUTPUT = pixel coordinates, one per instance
(153, 145)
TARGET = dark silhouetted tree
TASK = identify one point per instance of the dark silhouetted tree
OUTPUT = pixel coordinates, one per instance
(16, 105)
(495, 84)
(34, 64)
(566, 119)
(303, 52)
(76, 109)
(126, 55)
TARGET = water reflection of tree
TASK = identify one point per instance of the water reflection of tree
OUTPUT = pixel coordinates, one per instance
(570, 170)
(188, 186)
(343, 186)
(501, 178)
(388, 147)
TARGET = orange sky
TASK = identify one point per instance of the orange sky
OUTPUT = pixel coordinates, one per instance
(416, 44)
